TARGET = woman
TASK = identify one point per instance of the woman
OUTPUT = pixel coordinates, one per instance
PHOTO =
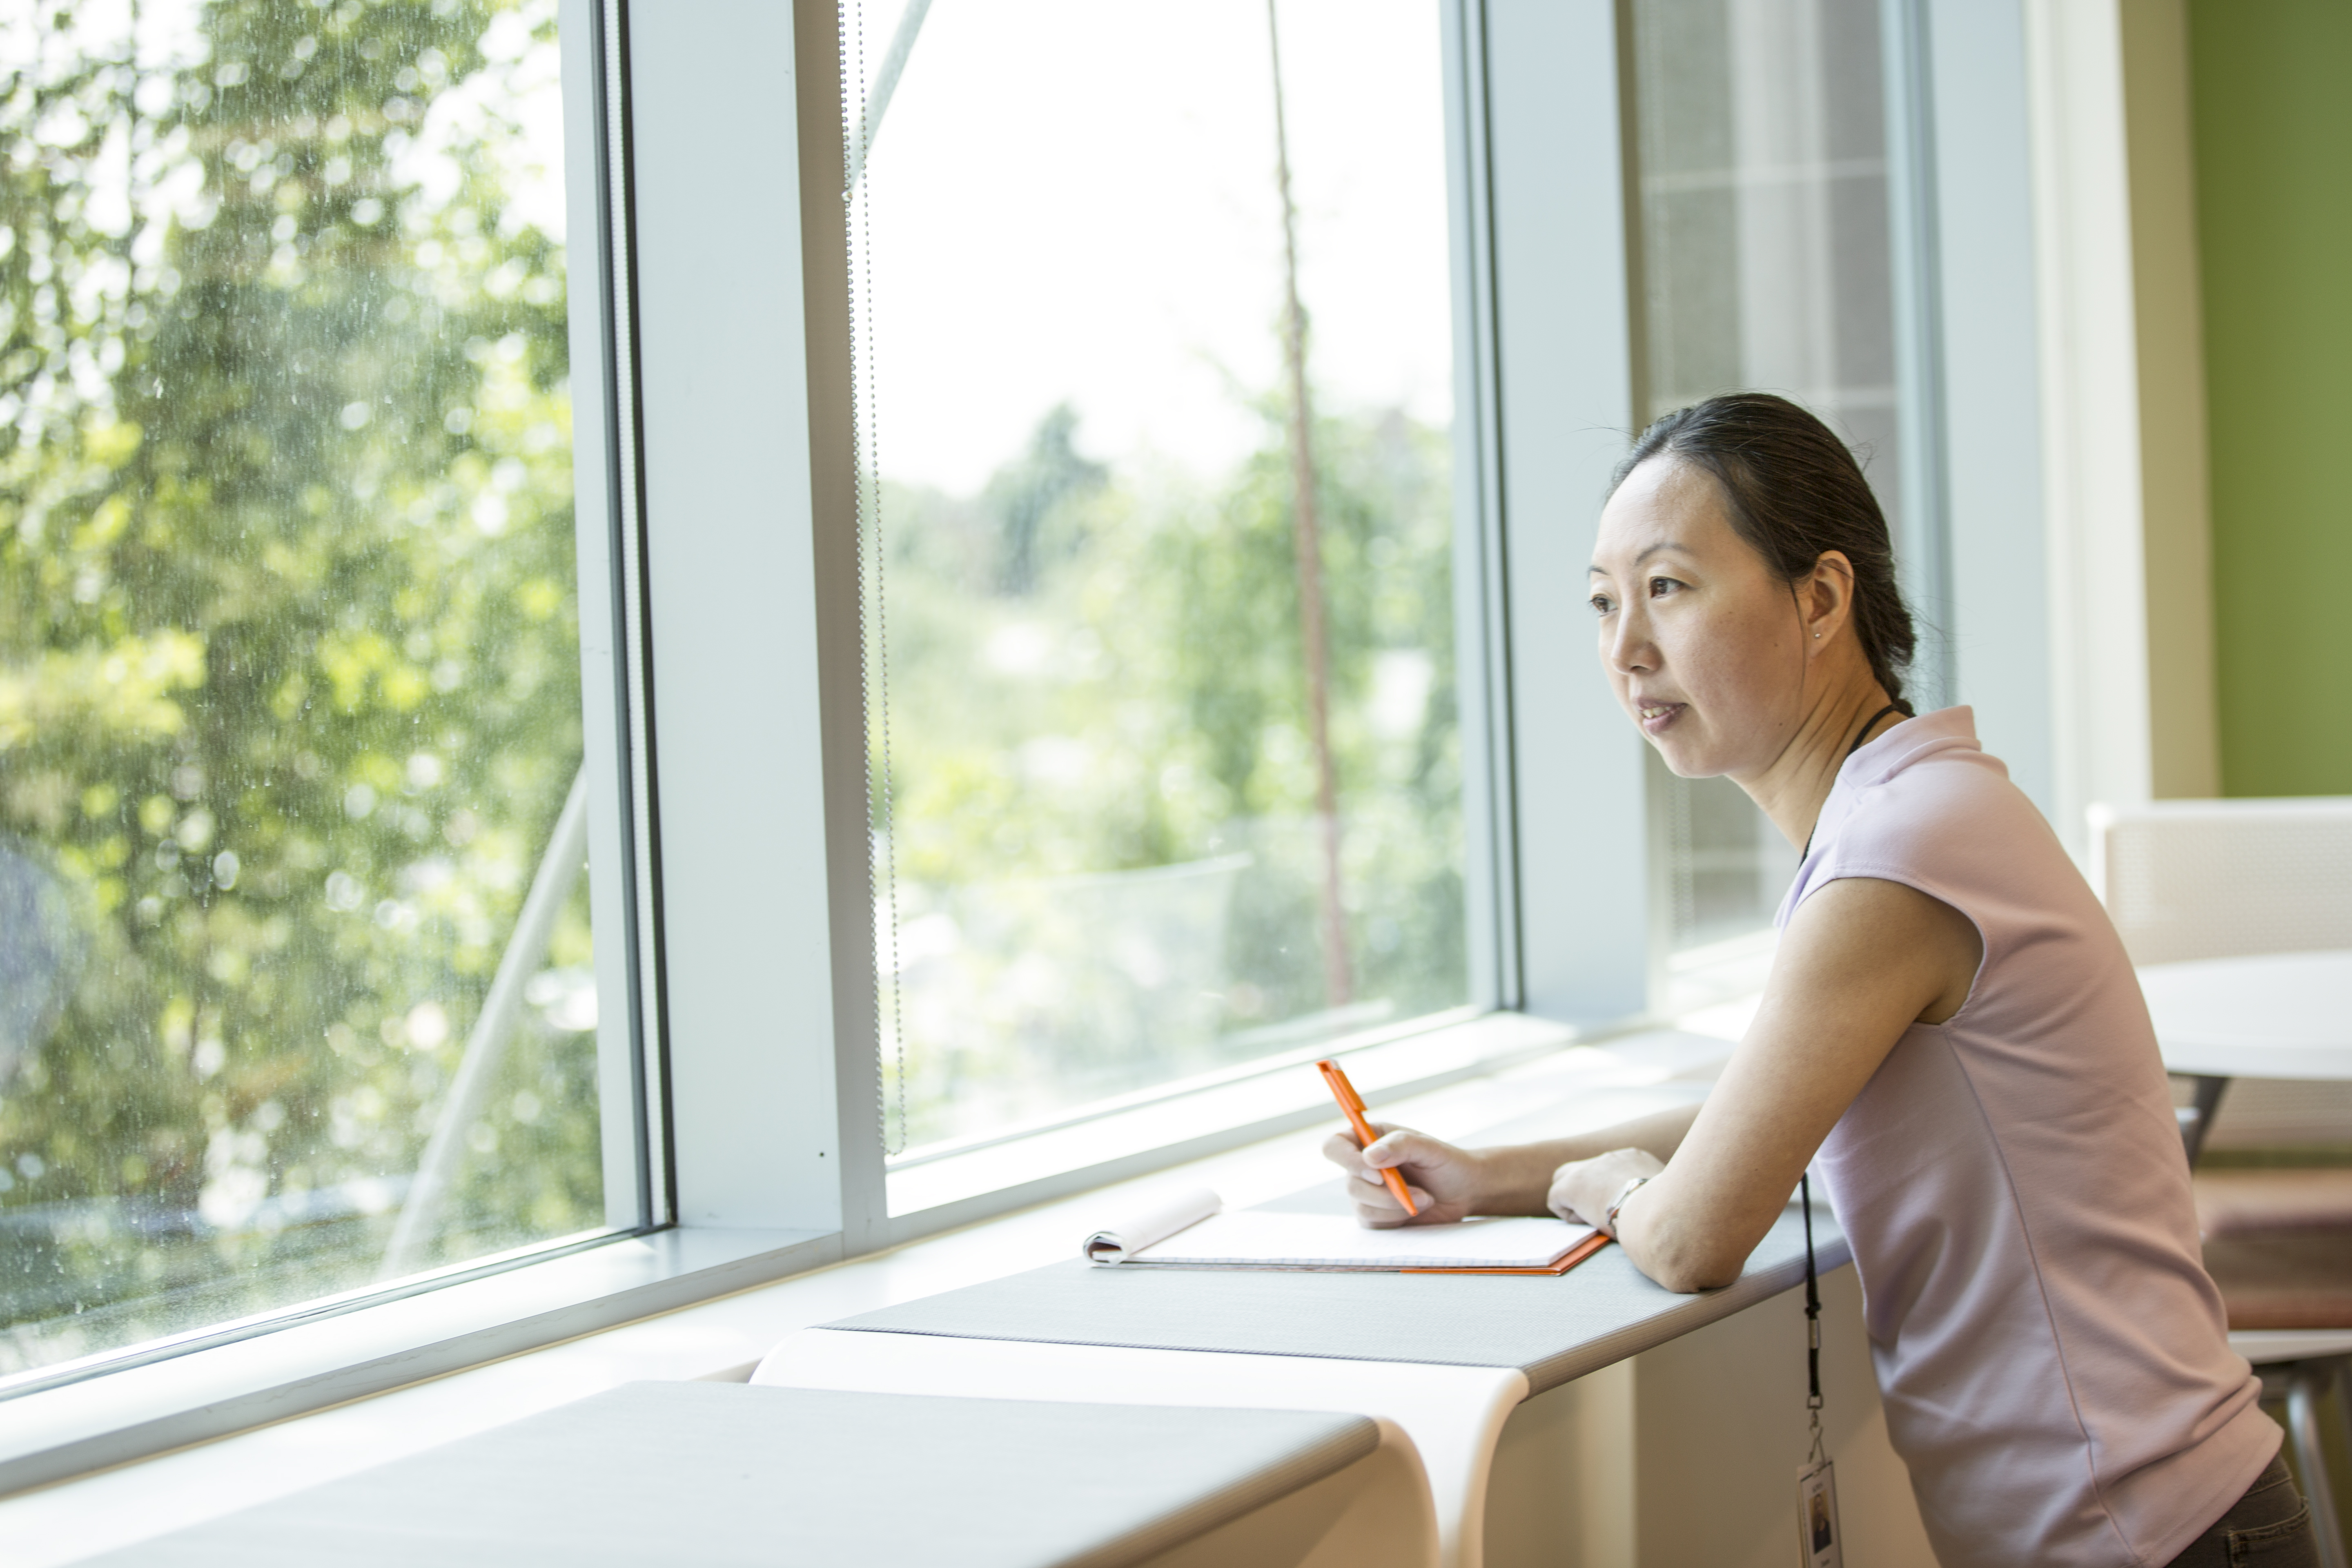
(1951, 1031)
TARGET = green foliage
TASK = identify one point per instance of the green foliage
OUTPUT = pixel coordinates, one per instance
(289, 692)
(289, 653)
(1095, 681)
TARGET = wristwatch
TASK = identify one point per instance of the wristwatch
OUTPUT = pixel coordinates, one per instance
(1609, 1220)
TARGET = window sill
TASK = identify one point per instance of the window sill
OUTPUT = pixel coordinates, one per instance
(708, 1303)
(723, 1338)
(141, 1410)
(1187, 1124)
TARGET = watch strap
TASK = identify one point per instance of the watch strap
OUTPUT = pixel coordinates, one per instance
(1609, 1220)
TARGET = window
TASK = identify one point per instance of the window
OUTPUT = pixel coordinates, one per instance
(1154, 324)
(1168, 780)
(1766, 262)
(296, 983)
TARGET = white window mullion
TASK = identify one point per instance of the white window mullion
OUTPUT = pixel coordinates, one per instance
(736, 701)
(1482, 653)
(1563, 330)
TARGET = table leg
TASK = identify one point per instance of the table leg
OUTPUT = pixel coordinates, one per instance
(2197, 1117)
(2306, 1381)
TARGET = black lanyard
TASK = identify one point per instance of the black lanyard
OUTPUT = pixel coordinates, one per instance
(1812, 1312)
(1902, 708)
(1805, 1185)
(1861, 735)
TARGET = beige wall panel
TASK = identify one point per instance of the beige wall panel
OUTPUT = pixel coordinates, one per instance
(2184, 747)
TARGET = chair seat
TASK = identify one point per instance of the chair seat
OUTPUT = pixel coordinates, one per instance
(2292, 1280)
(2242, 1203)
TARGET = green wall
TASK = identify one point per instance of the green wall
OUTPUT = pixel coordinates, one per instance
(2272, 89)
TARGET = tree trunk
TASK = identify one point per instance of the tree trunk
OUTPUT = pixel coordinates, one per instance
(1307, 537)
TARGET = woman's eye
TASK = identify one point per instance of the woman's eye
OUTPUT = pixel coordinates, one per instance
(1601, 604)
(1660, 586)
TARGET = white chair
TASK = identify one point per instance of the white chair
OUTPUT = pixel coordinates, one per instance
(2213, 878)
(2217, 879)
(2220, 878)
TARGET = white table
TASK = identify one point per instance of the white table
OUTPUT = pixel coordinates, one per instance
(2265, 1015)
(2273, 1015)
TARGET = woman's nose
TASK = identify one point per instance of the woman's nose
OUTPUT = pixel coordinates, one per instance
(1629, 649)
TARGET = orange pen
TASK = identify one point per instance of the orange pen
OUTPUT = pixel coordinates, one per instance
(1354, 1104)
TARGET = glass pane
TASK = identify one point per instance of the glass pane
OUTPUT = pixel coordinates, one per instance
(289, 682)
(1766, 263)
(1169, 758)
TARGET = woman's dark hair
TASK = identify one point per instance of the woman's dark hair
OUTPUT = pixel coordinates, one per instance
(1795, 494)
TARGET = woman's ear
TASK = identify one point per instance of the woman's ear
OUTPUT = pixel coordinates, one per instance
(1826, 596)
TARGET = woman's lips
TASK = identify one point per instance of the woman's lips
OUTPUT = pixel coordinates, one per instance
(1656, 717)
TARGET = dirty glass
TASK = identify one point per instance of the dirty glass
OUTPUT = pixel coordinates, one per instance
(1154, 325)
(1766, 265)
(289, 684)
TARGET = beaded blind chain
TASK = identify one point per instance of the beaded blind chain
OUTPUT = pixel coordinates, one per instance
(858, 113)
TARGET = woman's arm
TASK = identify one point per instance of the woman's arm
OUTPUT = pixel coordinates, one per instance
(1450, 1183)
(1859, 962)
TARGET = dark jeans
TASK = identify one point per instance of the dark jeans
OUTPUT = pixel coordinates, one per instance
(2268, 1527)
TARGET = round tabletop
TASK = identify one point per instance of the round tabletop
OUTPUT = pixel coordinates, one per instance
(2271, 1014)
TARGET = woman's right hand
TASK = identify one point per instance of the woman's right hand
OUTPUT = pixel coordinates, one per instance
(1446, 1183)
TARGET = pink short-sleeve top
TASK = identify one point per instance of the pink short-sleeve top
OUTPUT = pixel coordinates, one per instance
(2054, 1360)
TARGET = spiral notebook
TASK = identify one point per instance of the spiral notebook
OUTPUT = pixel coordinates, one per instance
(1188, 1229)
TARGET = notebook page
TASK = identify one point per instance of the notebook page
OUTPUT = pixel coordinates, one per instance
(1255, 1237)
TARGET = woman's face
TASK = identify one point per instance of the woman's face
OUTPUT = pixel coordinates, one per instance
(1705, 647)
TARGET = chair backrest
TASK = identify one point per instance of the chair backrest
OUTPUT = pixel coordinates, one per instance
(2215, 878)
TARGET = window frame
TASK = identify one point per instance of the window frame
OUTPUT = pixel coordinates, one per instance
(1593, 999)
(717, 500)
(225, 1377)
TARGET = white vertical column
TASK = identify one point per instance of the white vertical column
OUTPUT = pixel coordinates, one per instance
(2000, 618)
(1922, 544)
(2090, 412)
(1563, 336)
(613, 885)
(1482, 650)
(731, 519)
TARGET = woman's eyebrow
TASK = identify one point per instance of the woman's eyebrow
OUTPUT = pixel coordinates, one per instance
(1596, 570)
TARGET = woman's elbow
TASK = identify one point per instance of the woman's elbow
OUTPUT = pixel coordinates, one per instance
(1691, 1267)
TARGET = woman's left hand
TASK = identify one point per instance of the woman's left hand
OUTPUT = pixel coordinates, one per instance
(1582, 1190)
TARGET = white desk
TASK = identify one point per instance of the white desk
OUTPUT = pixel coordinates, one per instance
(721, 1476)
(2273, 1015)
(1602, 1470)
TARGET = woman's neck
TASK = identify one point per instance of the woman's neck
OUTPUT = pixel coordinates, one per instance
(1792, 790)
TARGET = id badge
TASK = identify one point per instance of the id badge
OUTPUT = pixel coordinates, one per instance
(1817, 1517)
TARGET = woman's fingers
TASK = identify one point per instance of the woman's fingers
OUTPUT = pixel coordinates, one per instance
(1436, 1174)
(1341, 1151)
(1380, 1211)
(1403, 1146)
(1371, 1188)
